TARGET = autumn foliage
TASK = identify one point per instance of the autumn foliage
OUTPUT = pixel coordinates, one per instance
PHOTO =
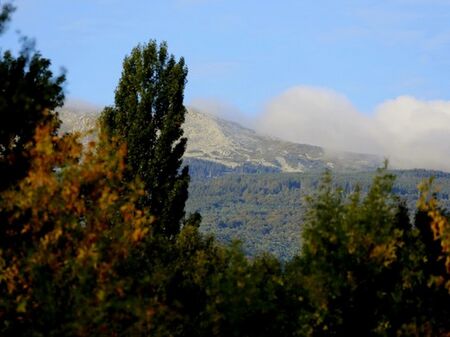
(79, 257)
(70, 223)
(94, 242)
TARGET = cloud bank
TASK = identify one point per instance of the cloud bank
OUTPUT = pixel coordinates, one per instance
(409, 132)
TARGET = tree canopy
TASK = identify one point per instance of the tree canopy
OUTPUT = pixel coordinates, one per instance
(147, 115)
(91, 242)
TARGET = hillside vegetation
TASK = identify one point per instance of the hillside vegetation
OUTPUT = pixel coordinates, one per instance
(266, 211)
(95, 239)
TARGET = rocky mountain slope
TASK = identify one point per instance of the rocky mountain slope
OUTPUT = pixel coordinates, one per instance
(212, 139)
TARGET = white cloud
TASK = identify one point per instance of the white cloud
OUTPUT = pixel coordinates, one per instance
(415, 133)
(317, 116)
(410, 132)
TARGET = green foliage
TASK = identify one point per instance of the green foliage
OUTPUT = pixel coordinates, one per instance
(147, 115)
(82, 259)
(345, 246)
(30, 93)
(91, 242)
(364, 266)
(266, 211)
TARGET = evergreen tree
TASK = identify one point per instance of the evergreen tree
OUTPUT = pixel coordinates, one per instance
(147, 115)
(351, 253)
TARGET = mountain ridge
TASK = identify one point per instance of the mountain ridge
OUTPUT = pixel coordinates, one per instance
(225, 142)
(216, 140)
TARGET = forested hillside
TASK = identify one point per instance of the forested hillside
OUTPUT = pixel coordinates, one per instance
(265, 211)
(96, 238)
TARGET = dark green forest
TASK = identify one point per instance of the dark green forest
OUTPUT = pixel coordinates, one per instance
(265, 211)
(96, 239)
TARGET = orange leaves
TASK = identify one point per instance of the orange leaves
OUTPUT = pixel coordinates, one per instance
(138, 234)
(9, 275)
(50, 151)
(71, 220)
(87, 253)
(440, 228)
(107, 198)
(439, 223)
(138, 220)
(51, 237)
(385, 253)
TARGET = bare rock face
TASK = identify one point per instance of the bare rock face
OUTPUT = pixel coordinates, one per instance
(77, 122)
(216, 140)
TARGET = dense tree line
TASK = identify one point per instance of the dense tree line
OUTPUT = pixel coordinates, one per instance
(95, 242)
(265, 211)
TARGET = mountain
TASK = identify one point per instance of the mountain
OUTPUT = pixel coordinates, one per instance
(77, 120)
(265, 211)
(219, 146)
(229, 144)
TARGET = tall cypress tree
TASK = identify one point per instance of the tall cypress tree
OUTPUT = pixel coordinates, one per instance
(148, 114)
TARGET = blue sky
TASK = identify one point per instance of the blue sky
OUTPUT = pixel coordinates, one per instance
(366, 76)
(245, 52)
